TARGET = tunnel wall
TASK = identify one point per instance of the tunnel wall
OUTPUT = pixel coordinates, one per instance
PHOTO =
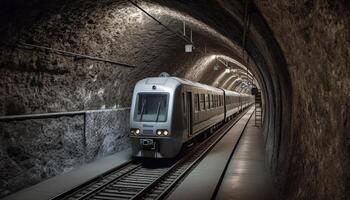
(33, 150)
(313, 160)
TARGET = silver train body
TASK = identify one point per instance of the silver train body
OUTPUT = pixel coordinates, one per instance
(166, 112)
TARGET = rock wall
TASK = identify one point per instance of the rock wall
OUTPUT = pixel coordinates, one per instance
(33, 150)
(315, 39)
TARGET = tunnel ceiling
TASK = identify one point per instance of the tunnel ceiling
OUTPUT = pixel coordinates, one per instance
(119, 31)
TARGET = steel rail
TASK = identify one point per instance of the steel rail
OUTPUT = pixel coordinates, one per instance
(93, 180)
(104, 185)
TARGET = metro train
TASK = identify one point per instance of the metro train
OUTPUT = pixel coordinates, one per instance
(167, 112)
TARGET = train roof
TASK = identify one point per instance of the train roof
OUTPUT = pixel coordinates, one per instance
(174, 82)
(229, 92)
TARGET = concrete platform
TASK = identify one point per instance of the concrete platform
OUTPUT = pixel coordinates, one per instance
(245, 177)
(57, 185)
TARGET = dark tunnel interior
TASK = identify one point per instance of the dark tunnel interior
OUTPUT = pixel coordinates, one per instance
(296, 52)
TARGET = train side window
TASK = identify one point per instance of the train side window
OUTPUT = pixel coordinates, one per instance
(217, 100)
(207, 100)
(213, 100)
(210, 105)
(183, 102)
(202, 102)
(196, 104)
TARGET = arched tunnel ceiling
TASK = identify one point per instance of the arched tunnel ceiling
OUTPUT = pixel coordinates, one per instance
(106, 36)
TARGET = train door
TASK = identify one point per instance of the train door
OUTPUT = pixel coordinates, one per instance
(189, 110)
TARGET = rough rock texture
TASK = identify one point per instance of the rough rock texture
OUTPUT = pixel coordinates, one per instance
(36, 149)
(39, 82)
(315, 39)
(106, 133)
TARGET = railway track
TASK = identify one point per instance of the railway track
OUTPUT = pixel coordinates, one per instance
(136, 181)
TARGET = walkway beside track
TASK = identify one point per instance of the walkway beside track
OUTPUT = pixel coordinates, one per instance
(246, 176)
(57, 185)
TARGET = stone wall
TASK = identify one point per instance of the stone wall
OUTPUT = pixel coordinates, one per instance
(33, 150)
(315, 39)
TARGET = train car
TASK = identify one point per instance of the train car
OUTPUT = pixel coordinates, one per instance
(166, 112)
(232, 104)
(246, 100)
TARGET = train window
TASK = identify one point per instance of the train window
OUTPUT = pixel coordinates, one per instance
(196, 100)
(213, 101)
(151, 107)
(183, 103)
(202, 102)
(207, 101)
(198, 105)
(217, 100)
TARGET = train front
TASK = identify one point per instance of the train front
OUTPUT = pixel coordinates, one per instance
(150, 120)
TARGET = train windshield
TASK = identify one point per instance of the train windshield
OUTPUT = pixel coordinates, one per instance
(151, 107)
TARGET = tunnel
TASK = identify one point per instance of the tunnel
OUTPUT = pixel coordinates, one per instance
(68, 71)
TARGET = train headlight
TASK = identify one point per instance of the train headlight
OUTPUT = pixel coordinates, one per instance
(135, 131)
(166, 132)
(162, 132)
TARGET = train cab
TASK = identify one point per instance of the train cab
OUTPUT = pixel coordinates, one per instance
(151, 118)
